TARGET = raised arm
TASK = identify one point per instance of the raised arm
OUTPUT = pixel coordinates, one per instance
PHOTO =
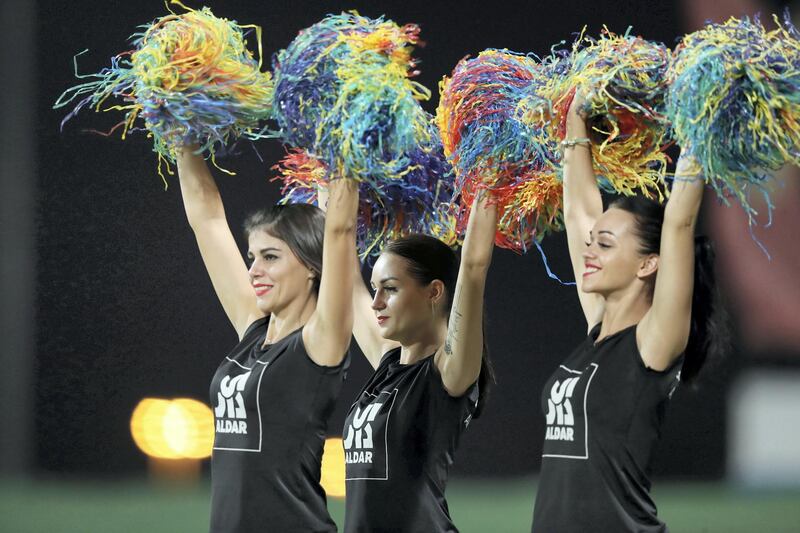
(663, 332)
(365, 326)
(221, 256)
(459, 360)
(328, 331)
(583, 204)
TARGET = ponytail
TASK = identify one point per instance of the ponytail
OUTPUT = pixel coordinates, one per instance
(709, 337)
(486, 379)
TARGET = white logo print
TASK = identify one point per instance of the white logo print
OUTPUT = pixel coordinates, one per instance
(567, 433)
(230, 405)
(359, 435)
(366, 445)
(560, 417)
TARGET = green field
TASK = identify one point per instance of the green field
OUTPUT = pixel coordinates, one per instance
(477, 507)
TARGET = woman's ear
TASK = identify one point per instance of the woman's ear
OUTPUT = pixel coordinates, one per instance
(436, 291)
(648, 266)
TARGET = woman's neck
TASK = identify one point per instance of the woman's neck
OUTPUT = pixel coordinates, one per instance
(424, 346)
(286, 320)
(624, 309)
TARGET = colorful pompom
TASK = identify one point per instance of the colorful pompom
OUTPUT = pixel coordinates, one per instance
(192, 80)
(623, 78)
(343, 93)
(491, 146)
(417, 202)
(346, 108)
(734, 101)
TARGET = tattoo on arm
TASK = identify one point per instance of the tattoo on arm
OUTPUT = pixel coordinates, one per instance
(452, 328)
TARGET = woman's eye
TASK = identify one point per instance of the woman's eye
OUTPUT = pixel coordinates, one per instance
(270, 257)
(603, 245)
(390, 289)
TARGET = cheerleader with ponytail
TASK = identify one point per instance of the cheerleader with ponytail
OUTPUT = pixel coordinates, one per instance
(422, 332)
(646, 287)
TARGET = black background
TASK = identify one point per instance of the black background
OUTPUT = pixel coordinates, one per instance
(125, 309)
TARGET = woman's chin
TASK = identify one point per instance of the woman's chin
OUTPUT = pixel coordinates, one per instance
(388, 335)
(264, 307)
(591, 288)
(395, 335)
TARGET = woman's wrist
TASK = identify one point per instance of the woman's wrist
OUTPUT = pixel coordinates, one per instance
(688, 168)
(572, 142)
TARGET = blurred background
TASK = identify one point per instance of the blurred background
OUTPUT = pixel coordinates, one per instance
(105, 301)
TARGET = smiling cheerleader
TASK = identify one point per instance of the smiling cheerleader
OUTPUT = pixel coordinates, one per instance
(646, 287)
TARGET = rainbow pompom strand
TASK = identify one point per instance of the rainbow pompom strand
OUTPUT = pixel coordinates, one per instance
(491, 147)
(343, 93)
(624, 80)
(190, 78)
(734, 101)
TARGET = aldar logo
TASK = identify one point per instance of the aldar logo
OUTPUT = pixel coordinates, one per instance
(567, 435)
(358, 442)
(366, 453)
(560, 416)
(230, 411)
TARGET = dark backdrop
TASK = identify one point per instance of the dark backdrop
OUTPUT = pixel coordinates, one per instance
(125, 308)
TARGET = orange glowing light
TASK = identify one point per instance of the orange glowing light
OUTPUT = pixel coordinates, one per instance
(332, 479)
(173, 429)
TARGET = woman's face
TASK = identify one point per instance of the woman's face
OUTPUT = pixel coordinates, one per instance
(612, 260)
(277, 276)
(402, 305)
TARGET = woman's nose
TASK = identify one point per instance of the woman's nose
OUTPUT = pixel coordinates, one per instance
(254, 270)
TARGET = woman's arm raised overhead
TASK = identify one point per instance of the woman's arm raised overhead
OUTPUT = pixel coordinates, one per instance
(221, 256)
(664, 330)
(328, 332)
(459, 360)
(583, 204)
(365, 326)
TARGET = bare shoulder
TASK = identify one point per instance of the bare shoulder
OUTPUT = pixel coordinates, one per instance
(657, 348)
(324, 347)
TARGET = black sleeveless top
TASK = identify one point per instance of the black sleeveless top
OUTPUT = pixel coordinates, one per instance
(400, 438)
(271, 407)
(604, 410)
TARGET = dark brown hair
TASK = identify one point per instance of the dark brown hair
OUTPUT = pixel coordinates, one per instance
(300, 226)
(429, 259)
